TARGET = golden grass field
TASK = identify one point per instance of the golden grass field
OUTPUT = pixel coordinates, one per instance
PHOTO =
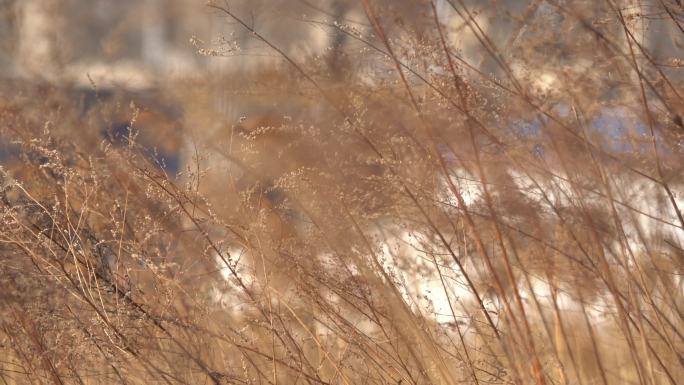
(449, 192)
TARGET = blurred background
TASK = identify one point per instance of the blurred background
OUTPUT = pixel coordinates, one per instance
(192, 68)
(135, 44)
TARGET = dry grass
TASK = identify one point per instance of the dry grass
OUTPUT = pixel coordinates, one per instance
(504, 212)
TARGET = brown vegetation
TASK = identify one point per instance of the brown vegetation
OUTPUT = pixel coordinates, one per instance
(411, 209)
